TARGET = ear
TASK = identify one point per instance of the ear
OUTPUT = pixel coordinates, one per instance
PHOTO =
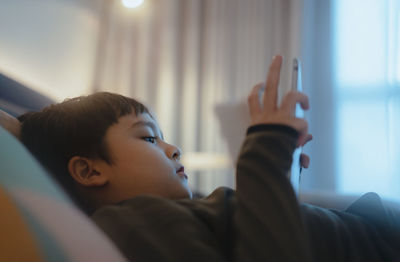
(86, 172)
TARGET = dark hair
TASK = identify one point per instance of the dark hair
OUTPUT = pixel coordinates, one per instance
(75, 127)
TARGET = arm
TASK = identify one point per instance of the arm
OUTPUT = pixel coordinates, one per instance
(267, 220)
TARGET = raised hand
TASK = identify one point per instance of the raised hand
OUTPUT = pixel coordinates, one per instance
(268, 112)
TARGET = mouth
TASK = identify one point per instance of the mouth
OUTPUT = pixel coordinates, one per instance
(181, 172)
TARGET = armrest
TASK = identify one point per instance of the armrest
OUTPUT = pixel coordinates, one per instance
(10, 123)
(338, 201)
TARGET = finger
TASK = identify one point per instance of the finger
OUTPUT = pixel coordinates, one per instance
(290, 100)
(301, 126)
(254, 101)
(308, 138)
(304, 160)
(270, 99)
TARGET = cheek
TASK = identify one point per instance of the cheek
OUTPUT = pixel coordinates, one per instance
(139, 157)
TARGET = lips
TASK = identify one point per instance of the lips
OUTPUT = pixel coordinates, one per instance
(181, 172)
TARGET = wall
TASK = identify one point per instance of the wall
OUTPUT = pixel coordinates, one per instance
(49, 45)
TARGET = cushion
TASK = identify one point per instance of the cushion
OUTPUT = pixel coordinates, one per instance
(60, 230)
(18, 235)
(16, 98)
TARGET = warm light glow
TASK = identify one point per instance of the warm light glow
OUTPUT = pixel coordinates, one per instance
(200, 161)
(132, 3)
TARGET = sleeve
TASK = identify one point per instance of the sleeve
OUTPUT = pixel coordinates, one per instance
(267, 221)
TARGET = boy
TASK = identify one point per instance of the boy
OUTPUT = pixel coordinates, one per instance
(109, 154)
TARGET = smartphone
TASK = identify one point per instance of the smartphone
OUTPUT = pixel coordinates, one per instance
(295, 172)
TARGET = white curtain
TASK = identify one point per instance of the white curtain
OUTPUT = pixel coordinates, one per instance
(184, 57)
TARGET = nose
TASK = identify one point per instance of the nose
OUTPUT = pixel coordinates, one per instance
(176, 155)
(173, 152)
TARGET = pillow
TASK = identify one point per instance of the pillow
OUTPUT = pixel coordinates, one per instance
(17, 232)
(60, 230)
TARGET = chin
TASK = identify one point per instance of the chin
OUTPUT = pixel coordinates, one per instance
(186, 193)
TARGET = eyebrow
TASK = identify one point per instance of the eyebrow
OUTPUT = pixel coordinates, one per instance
(149, 124)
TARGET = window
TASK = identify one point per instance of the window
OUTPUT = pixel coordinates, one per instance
(367, 91)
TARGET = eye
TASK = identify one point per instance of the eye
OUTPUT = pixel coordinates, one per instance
(151, 139)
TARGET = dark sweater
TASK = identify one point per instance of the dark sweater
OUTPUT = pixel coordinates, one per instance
(260, 221)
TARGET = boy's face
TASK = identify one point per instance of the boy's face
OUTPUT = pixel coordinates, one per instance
(142, 163)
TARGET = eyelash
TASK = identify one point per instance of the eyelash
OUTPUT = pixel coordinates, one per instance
(151, 139)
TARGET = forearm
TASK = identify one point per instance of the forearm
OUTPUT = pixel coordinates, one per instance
(268, 221)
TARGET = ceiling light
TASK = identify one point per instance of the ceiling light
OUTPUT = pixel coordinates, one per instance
(132, 3)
